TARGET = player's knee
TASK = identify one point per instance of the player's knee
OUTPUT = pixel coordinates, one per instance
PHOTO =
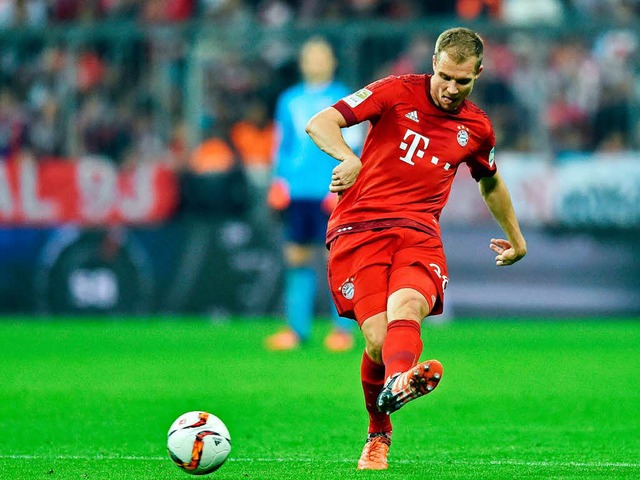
(373, 345)
(407, 304)
(374, 331)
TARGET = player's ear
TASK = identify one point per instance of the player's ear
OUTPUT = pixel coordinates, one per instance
(480, 69)
(434, 63)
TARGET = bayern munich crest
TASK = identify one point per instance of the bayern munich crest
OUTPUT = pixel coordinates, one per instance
(463, 136)
(348, 289)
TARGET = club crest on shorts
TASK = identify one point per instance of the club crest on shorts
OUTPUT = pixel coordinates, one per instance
(463, 135)
(348, 289)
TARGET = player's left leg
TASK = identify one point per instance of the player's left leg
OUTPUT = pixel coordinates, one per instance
(416, 289)
(407, 380)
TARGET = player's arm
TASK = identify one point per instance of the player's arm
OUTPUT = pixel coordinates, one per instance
(324, 128)
(496, 195)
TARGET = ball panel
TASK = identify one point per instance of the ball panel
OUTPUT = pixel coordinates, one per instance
(189, 420)
(214, 452)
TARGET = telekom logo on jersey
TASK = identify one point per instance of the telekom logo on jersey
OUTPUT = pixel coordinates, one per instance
(417, 147)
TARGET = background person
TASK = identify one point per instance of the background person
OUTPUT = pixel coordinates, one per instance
(300, 189)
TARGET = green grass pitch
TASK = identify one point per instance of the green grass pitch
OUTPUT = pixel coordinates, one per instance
(93, 399)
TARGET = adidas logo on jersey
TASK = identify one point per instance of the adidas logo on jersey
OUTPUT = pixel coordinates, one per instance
(413, 116)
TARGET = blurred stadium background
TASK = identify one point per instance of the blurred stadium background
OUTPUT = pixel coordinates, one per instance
(135, 138)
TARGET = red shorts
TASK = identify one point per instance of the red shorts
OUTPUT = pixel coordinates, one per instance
(366, 267)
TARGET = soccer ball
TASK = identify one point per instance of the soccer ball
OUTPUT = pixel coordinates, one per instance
(198, 442)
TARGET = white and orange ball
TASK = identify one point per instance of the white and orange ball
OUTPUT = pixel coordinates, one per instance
(198, 442)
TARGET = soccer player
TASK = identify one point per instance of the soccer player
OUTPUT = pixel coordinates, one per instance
(299, 189)
(387, 268)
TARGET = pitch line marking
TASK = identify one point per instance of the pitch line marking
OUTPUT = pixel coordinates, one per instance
(146, 458)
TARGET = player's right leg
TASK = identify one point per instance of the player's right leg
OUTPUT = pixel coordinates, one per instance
(358, 272)
(374, 453)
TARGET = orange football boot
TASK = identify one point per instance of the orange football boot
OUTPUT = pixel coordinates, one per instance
(374, 453)
(401, 388)
(284, 340)
(339, 341)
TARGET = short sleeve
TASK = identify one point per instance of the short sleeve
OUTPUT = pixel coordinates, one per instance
(482, 163)
(369, 102)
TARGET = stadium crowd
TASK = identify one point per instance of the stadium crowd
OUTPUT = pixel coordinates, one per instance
(39, 13)
(125, 97)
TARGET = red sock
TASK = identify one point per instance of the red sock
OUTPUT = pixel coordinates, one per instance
(372, 375)
(402, 346)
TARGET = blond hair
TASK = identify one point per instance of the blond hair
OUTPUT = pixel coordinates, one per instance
(460, 44)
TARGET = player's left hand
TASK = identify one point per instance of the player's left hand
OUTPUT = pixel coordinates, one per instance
(507, 255)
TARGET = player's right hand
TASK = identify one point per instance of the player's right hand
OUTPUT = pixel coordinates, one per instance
(345, 174)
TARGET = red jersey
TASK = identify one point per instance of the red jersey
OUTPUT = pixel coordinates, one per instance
(410, 156)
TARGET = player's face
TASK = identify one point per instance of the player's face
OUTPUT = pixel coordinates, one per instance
(452, 82)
